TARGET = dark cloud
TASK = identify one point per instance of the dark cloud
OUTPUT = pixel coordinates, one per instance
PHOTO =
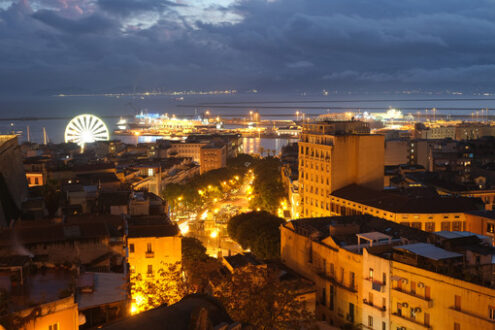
(130, 7)
(103, 45)
(91, 24)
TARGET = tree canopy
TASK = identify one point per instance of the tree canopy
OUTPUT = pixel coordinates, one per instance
(268, 189)
(257, 231)
(256, 296)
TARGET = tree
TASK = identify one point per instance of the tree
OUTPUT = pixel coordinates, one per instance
(197, 265)
(257, 231)
(256, 295)
(268, 189)
(165, 288)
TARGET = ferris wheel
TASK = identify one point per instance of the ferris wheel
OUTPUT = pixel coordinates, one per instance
(86, 128)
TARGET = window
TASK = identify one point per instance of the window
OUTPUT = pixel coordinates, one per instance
(371, 274)
(416, 225)
(384, 326)
(150, 269)
(457, 226)
(446, 226)
(148, 248)
(427, 292)
(370, 321)
(413, 287)
(384, 278)
(457, 326)
(491, 312)
(490, 228)
(351, 280)
(370, 298)
(332, 294)
(131, 248)
(427, 319)
(324, 296)
(430, 226)
(457, 302)
(54, 326)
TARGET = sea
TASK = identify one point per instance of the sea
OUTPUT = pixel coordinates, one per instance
(53, 112)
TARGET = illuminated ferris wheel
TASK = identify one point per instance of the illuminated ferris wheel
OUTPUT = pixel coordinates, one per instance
(86, 128)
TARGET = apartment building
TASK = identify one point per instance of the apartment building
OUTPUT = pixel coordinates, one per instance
(376, 274)
(333, 155)
(329, 252)
(152, 242)
(212, 157)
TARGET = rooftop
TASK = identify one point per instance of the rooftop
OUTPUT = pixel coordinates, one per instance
(179, 316)
(411, 201)
(344, 230)
(151, 226)
(429, 251)
(106, 288)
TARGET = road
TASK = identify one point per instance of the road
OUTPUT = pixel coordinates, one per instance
(214, 218)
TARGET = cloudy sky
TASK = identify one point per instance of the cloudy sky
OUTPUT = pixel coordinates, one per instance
(51, 46)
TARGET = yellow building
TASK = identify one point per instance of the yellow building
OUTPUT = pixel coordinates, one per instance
(378, 274)
(187, 150)
(423, 298)
(152, 243)
(329, 252)
(55, 315)
(212, 157)
(426, 212)
(481, 222)
(333, 155)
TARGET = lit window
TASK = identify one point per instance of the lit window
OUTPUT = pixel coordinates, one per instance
(54, 326)
(492, 312)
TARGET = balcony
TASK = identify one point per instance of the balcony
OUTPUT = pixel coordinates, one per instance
(412, 298)
(408, 322)
(485, 322)
(150, 254)
(376, 285)
(380, 308)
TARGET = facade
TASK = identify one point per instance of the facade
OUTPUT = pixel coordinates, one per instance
(187, 150)
(330, 252)
(152, 243)
(397, 152)
(57, 314)
(212, 157)
(408, 279)
(333, 155)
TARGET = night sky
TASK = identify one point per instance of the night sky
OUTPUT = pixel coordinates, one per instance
(69, 46)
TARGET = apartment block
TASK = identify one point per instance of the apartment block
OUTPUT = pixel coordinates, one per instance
(377, 274)
(333, 155)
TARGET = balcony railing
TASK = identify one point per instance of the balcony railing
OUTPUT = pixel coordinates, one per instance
(149, 254)
(487, 322)
(380, 308)
(405, 295)
(409, 322)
